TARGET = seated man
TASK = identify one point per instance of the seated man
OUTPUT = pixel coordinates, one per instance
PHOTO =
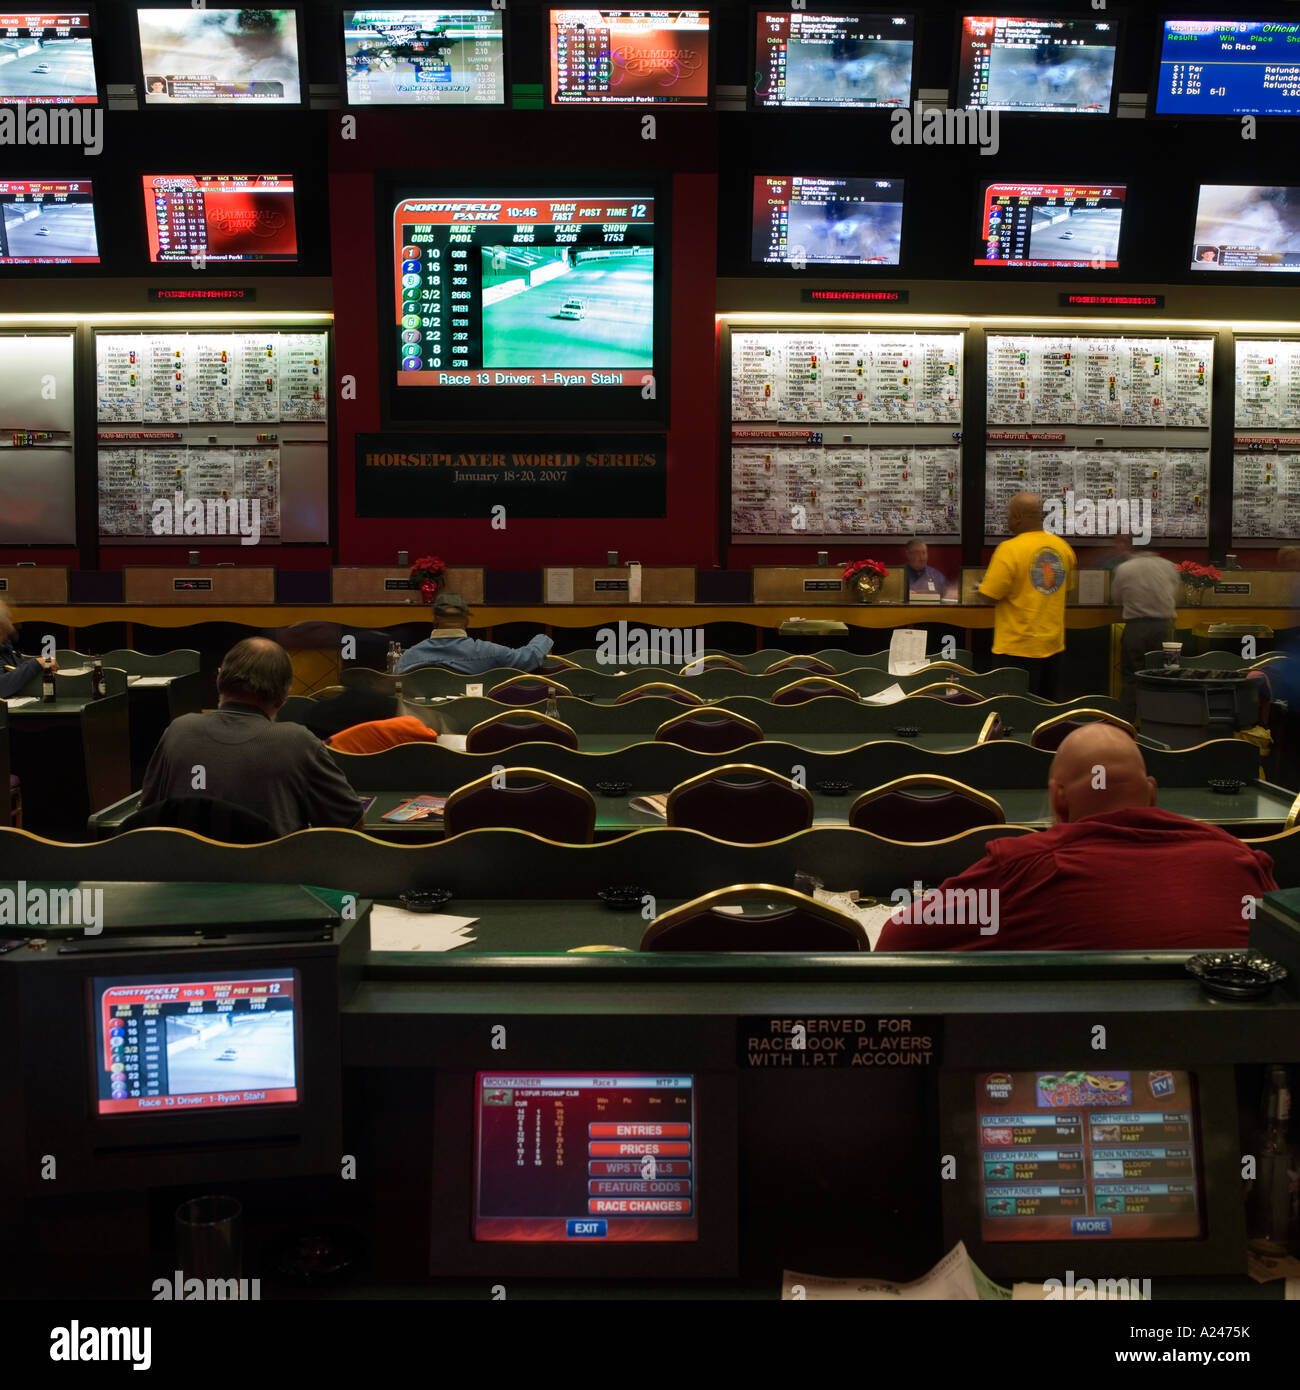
(236, 753)
(922, 577)
(15, 668)
(451, 646)
(1114, 873)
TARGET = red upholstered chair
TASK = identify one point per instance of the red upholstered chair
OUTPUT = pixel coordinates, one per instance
(953, 693)
(664, 689)
(813, 688)
(739, 802)
(814, 665)
(992, 728)
(899, 813)
(510, 729)
(787, 921)
(555, 663)
(1051, 733)
(547, 805)
(709, 731)
(719, 661)
(526, 690)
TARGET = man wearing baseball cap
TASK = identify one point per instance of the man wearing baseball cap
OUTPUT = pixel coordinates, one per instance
(451, 646)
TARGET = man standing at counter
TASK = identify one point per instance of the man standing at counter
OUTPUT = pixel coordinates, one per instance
(922, 577)
(1026, 582)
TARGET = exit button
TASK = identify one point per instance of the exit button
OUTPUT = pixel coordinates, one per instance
(575, 1227)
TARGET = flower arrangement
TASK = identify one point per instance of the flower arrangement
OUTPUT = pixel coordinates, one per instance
(864, 568)
(1198, 576)
(428, 572)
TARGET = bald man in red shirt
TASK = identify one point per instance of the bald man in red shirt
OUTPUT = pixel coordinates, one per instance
(1115, 873)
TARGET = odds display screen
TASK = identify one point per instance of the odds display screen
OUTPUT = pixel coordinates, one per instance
(165, 1044)
(629, 57)
(595, 1158)
(1037, 65)
(805, 219)
(839, 59)
(220, 217)
(401, 57)
(1247, 227)
(47, 222)
(1088, 1155)
(1229, 67)
(47, 59)
(1050, 226)
(242, 57)
(499, 291)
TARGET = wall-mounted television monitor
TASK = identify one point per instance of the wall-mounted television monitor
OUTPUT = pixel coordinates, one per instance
(1050, 226)
(409, 57)
(47, 59)
(220, 217)
(629, 57)
(597, 1158)
(516, 301)
(1228, 67)
(220, 57)
(47, 222)
(832, 58)
(812, 219)
(1055, 64)
(1248, 228)
(177, 1044)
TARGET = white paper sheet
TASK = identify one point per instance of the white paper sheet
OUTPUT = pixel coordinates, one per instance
(453, 741)
(906, 651)
(150, 681)
(559, 586)
(396, 929)
(873, 916)
(950, 1280)
(890, 695)
(14, 702)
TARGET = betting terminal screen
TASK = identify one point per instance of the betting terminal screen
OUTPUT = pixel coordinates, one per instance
(1051, 226)
(165, 1044)
(832, 59)
(1056, 65)
(1248, 228)
(47, 59)
(810, 219)
(220, 217)
(1229, 67)
(629, 57)
(598, 1157)
(47, 222)
(552, 291)
(229, 57)
(1088, 1155)
(399, 57)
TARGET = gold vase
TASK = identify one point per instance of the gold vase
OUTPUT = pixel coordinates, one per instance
(1193, 596)
(866, 587)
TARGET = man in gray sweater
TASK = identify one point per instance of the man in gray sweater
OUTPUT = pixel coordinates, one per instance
(1147, 586)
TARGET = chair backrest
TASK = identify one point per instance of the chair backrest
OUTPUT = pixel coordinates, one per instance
(715, 662)
(226, 821)
(664, 689)
(1293, 815)
(814, 665)
(331, 714)
(813, 688)
(952, 692)
(948, 668)
(1051, 733)
(709, 731)
(791, 922)
(897, 812)
(741, 803)
(992, 728)
(556, 663)
(526, 690)
(507, 730)
(550, 806)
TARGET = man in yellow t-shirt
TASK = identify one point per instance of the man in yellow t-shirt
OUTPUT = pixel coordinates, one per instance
(1026, 581)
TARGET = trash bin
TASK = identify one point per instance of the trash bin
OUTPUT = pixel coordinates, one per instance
(1185, 706)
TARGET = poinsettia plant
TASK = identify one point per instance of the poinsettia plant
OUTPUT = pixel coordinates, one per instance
(873, 568)
(428, 572)
(1198, 576)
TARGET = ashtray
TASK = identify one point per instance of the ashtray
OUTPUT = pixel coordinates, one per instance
(1235, 974)
(613, 788)
(1226, 786)
(907, 730)
(622, 899)
(426, 899)
(833, 787)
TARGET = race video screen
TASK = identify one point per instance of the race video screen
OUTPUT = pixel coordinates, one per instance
(1051, 226)
(220, 217)
(839, 59)
(424, 57)
(47, 222)
(596, 1158)
(47, 60)
(804, 219)
(165, 1044)
(1088, 1155)
(240, 57)
(1037, 65)
(629, 57)
(1247, 227)
(527, 291)
(1229, 67)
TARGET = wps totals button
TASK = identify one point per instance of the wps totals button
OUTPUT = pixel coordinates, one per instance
(574, 1227)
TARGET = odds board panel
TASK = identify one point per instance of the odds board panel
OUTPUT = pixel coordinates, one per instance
(1266, 442)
